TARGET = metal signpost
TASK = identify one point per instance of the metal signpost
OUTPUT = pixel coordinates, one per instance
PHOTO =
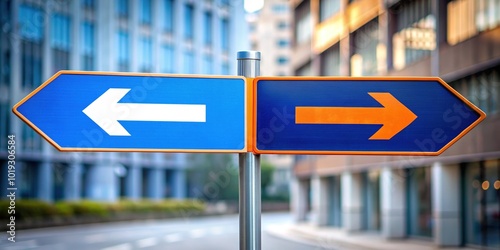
(249, 115)
(349, 115)
(250, 234)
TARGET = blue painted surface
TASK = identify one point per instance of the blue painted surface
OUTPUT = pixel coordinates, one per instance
(57, 111)
(441, 115)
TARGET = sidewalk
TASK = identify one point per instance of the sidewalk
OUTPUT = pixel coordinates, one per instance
(334, 238)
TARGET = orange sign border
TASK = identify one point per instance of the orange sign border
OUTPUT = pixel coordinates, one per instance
(256, 80)
(76, 72)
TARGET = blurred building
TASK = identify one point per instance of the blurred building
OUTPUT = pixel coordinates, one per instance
(168, 36)
(452, 199)
(271, 34)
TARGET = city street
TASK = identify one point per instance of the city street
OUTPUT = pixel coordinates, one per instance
(199, 233)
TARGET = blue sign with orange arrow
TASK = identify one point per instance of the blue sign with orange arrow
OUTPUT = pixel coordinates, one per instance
(318, 115)
(105, 111)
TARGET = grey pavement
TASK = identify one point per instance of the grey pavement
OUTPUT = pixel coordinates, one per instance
(194, 233)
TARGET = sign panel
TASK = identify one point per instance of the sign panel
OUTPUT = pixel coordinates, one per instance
(103, 111)
(381, 116)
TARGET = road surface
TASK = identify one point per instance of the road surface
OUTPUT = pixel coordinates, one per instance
(219, 233)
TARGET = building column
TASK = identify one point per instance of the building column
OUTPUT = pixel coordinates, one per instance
(446, 204)
(45, 182)
(393, 197)
(156, 183)
(320, 193)
(179, 183)
(72, 181)
(298, 199)
(351, 201)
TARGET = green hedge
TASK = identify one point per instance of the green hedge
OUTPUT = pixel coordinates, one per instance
(35, 209)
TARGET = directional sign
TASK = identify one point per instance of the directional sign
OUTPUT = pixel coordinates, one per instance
(98, 111)
(318, 115)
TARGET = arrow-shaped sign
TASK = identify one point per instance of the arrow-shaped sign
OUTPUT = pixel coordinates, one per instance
(139, 112)
(394, 116)
(336, 115)
(106, 111)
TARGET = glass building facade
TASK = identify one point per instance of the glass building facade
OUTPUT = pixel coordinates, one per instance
(40, 38)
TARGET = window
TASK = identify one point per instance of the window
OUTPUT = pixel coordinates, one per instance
(282, 25)
(189, 21)
(207, 28)
(189, 64)
(283, 43)
(60, 38)
(225, 68)
(29, 18)
(88, 4)
(481, 188)
(280, 8)
(330, 61)
(123, 51)
(145, 12)
(146, 55)
(207, 65)
(483, 89)
(416, 34)
(328, 8)
(169, 15)
(282, 60)
(122, 8)
(167, 58)
(371, 200)
(32, 49)
(60, 41)
(419, 203)
(365, 41)
(466, 18)
(88, 46)
(225, 34)
(303, 29)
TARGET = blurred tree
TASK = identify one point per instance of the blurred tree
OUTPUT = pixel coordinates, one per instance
(213, 177)
(266, 177)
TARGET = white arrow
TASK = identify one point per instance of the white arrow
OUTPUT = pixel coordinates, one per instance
(105, 111)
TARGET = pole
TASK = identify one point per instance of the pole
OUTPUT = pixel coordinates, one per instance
(249, 167)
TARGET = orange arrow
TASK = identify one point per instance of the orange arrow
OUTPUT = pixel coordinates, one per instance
(394, 116)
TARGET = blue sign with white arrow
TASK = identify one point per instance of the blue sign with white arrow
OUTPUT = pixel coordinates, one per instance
(98, 111)
(380, 116)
